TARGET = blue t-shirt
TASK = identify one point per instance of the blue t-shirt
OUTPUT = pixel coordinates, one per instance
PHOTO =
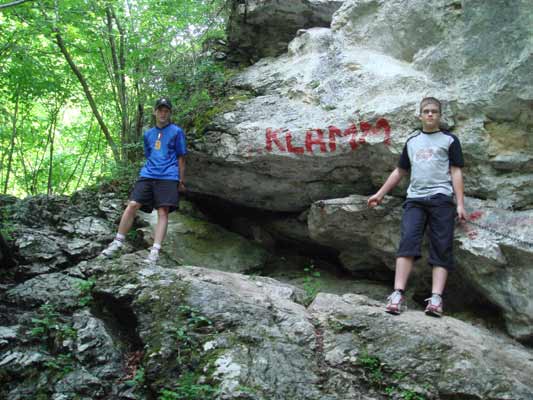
(162, 157)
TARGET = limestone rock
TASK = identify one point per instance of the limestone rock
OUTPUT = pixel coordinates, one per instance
(57, 288)
(243, 326)
(436, 358)
(194, 241)
(330, 116)
(493, 249)
(262, 28)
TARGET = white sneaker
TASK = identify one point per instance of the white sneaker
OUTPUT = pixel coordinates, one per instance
(153, 257)
(113, 249)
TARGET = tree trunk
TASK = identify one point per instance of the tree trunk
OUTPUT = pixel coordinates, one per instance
(12, 145)
(90, 99)
(52, 135)
(118, 63)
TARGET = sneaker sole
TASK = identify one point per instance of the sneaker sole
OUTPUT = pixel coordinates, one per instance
(435, 314)
(111, 256)
(393, 312)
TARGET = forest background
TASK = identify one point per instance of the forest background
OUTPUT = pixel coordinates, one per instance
(78, 80)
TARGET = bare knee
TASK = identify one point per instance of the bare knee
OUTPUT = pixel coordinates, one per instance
(132, 207)
(163, 212)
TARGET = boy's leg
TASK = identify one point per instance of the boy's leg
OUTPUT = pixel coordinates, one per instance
(396, 301)
(165, 197)
(441, 227)
(128, 217)
(126, 221)
(404, 266)
(412, 230)
(160, 230)
(440, 275)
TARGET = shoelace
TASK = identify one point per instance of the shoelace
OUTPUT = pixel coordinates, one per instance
(434, 300)
(395, 297)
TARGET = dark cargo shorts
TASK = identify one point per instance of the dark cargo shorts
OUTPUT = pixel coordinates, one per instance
(436, 212)
(155, 193)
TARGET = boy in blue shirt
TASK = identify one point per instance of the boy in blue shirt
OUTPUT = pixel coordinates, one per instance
(159, 180)
(434, 160)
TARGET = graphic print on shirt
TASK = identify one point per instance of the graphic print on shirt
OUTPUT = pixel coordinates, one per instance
(426, 154)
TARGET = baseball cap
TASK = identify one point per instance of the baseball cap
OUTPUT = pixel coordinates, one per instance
(163, 101)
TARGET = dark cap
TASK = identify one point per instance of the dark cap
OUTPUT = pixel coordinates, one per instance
(163, 102)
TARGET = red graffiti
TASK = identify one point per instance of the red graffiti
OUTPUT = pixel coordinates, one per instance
(315, 138)
(475, 216)
(272, 136)
(311, 141)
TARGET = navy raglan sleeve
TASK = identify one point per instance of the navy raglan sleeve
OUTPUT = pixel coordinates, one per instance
(404, 162)
(455, 153)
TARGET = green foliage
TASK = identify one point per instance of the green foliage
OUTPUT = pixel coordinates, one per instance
(392, 383)
(189, 324)
(63, 364)
(50, 326)
(138, 379)
(190, 321)
(311, 284)
(86, 288)
(50, 139)
(6, 225)
(49, 329)
(374, 368)
(188, 388)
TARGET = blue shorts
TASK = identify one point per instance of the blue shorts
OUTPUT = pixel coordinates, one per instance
(155, 193)
(436, 212)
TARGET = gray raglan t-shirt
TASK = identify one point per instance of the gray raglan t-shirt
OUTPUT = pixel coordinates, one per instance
(429, 156)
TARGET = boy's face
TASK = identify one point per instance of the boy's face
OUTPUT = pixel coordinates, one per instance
(162, 115)
(430, 117)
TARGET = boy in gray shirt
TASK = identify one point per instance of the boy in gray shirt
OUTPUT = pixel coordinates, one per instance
(434, 160)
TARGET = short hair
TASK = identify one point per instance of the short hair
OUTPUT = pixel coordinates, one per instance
(430, 100)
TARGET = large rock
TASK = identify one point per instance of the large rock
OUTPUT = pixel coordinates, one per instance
(444, 358)
(194, 241)
(263, 28)
(48, 352)
(493, 249)
(52, 233)
(248, 337)
(331, 115)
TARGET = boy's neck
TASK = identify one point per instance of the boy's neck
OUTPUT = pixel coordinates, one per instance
(430, 130)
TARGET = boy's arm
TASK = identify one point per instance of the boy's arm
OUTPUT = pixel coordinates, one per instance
(459, 189)
(394, 178)
(181, 166)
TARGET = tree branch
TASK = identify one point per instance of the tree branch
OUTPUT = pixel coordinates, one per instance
(13, 3)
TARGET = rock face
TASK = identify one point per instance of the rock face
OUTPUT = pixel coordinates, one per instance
(493, 249)
(328, 119)
(227, 336)
(121, 329)
(263, 28)
(194, 241)
(330, 116)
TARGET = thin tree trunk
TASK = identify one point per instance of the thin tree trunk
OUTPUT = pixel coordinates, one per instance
(118, 63)
(86, 150)
(88, 95)
(52, 134)
(12, 145)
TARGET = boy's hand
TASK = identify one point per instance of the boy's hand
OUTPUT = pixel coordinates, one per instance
(461, 214)
(181, 187)
(374, 200)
